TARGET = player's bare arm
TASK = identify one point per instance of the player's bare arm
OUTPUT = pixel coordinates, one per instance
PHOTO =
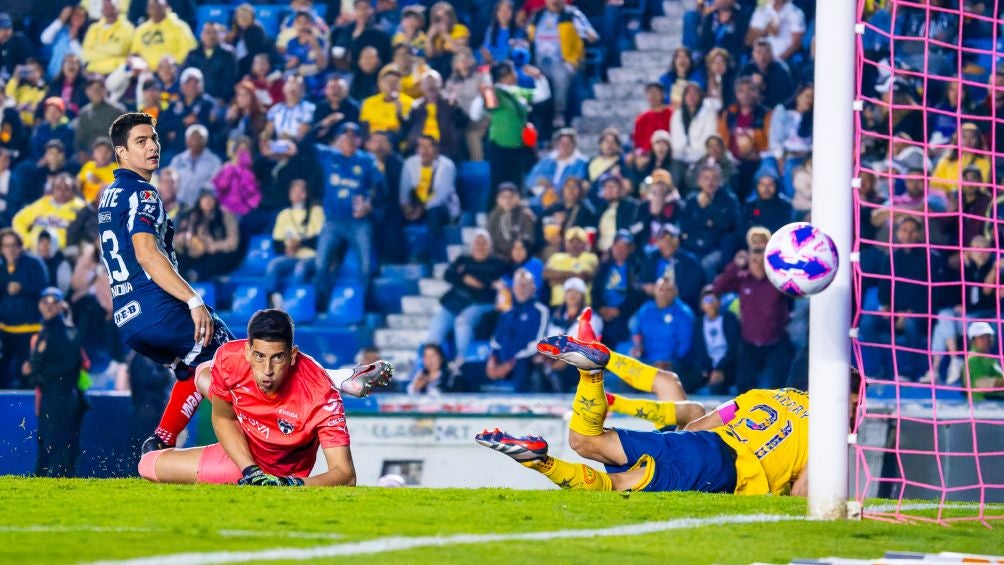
(801, 485)
(709, 421)
(230, 434)
(158, 266)
(341, 471)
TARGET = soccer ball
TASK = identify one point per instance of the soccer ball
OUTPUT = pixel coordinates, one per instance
(800, 260)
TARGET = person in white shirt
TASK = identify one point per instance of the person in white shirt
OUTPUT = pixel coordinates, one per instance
(196, 165)
(782, 24)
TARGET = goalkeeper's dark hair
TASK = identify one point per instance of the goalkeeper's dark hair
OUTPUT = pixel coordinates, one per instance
(271, 325)
(120, 128)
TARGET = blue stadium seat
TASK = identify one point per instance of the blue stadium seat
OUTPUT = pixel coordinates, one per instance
(300, 302)
(473, 180)
(207, 290)
(388, 292)
(454, 235)
(478, 351)
(259, 253)
(269, 17)
(332, 347)
(351, 267)
(415, 240)
(216, 13)
(246, 301)
(346, 305)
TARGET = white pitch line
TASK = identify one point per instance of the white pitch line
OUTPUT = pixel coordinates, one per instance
(398, 543)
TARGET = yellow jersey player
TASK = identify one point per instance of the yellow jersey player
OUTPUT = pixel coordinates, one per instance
(754, 444)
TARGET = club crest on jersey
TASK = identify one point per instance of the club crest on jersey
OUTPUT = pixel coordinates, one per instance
(147, 196)
(285, 427)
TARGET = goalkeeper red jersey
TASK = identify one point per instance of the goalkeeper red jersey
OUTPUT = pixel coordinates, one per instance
(283, 431)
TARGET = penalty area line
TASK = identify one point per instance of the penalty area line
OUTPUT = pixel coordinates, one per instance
(400, 543)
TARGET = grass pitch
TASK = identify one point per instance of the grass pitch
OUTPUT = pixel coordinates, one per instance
(73, 521)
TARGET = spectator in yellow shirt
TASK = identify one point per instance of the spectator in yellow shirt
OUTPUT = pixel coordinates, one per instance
(162, 34)
(27, 88)
(107, 42)
(388, 109)
(52, 213)
(99, 172)
(575, 261)
(948, 171)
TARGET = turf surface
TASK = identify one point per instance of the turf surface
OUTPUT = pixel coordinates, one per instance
(72, 521)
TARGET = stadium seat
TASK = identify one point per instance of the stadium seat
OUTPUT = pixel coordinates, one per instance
(216, 13)
(346, 305)
(246, 301)
(333, 347)
(411, 271)
(259, 254)
(207, 290)
(269, 17)
(415, 240)
(300, 302)
(473, 180)
(388, 292)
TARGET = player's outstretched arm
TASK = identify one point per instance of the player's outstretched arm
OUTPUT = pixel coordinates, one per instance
(159, 267)
(709, 421)
(341, 471)
(230, 434)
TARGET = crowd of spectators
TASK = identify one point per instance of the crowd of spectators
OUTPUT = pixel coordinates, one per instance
(340, 131)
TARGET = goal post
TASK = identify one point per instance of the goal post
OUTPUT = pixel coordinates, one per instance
(832, 212)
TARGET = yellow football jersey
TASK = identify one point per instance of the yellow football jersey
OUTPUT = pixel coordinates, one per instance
(770, 435)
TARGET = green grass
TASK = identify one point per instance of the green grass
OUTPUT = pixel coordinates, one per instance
(165, 519)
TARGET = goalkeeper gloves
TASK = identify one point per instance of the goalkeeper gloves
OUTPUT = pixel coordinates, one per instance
(254, 476)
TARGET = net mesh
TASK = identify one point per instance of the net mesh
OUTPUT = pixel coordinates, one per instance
(928, 235)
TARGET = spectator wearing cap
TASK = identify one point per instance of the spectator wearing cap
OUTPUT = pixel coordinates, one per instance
(292, 118)
(575, 261)
(510, 221)
(54, 369)
(411, 30)
(660, 157)
(52, 212)
(562, 162)
(765, 349)
(22, 279)
(770, 77)
(196, 165)
(107, 41)
(435, 116)
(558, 34)
(474, 277)
(715, 347)
(351, 184)
(621, 212)
(388, 109)
(709, 222)
(216, 61)
(971, 152)
(336, 107)
(15, 48)
(560, 376)
(769, 208)
(163, 33)
(662, 330)
(514, 342)
(663, 200)
(54, 125)
(193, 107)
(782, 24)
(98, 171)
(349, 40)
(69, 84)
(693, 123)
(508, 111)
(656, 118)
(96, 117)
(616, 290)
(428, 195)
(744, 127)
(669, 261)
(983, 367)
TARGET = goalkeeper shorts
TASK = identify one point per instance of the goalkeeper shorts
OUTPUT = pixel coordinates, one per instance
(216, 467)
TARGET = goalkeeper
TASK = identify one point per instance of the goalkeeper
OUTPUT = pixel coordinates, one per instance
(272, 407)
(755, 444)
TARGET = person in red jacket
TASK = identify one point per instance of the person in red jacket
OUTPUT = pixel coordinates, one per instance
(652, 120)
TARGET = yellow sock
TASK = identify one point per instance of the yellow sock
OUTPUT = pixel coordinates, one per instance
(589, 409)
(632, 371)
(660, 413)
(571, 475)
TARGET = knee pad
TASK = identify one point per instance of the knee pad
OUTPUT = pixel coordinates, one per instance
(148, 465)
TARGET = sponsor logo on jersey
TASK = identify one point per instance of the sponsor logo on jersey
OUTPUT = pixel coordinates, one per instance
(121, 289)
(285, 427)
(147, 196)
(104, 217)
(284, 412)
(127, 312)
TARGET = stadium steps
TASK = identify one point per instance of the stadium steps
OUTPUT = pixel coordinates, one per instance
(433, 287)
(408, 322)
(420, 305)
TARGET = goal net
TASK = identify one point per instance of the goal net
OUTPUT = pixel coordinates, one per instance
(927, 278)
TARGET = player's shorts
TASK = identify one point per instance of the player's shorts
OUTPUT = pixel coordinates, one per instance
(170, 342)
(683, 461)
(216, 467)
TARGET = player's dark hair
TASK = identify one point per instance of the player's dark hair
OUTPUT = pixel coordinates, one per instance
(271, 325)
(120, 128)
